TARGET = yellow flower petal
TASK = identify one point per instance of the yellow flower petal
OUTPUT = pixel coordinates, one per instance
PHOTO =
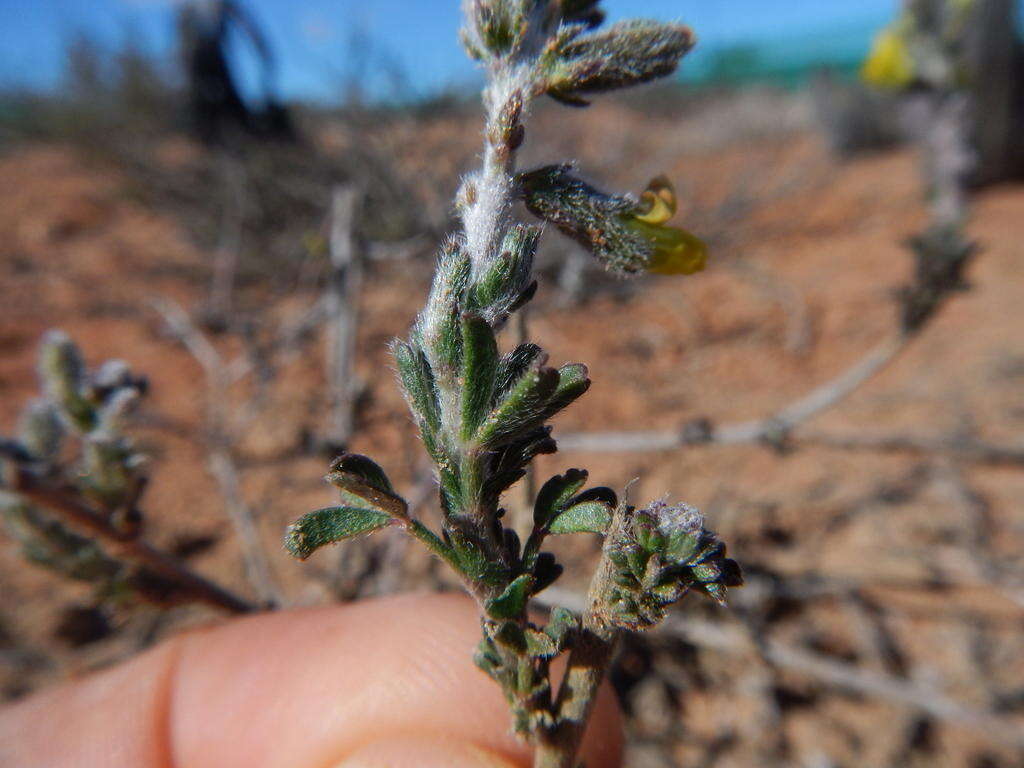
(676, 251)
(658, 202)
(889, 64)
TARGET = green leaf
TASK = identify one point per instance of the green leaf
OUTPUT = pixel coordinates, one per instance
(637, 558)
(540, 645)
(546, 571)
(600, 493)
(495, 27)
(470, 557)
(418, 383)
(487, 657)
(365, 469)
(554, 494)
(514, 366)
(331, 525)
(361, 481)
(62, 372)
(586, 517)
(598, 221)
(562, 624)
(512, 602)
(501, 288)
(521, 410)
(682, 546)
(438, 328)
(479, 368)
(511, 636)
(41, 430)
(50, 544)
(573, 382)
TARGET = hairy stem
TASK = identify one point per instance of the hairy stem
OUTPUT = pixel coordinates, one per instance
(591, 655)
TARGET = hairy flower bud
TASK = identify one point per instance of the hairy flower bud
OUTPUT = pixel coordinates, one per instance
(626, 236)
(659, 554)
(626, 54)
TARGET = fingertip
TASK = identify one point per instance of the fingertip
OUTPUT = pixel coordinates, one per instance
(380, 684)
(422, 752)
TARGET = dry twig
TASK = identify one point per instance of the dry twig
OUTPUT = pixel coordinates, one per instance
(125, 542)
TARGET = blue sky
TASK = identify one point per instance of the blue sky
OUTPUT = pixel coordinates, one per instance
(418, 36)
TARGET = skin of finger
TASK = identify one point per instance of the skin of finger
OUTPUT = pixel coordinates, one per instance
(418, 752)
(114, 718)
(304, 689)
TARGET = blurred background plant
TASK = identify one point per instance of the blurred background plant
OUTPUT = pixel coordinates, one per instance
(803, 180)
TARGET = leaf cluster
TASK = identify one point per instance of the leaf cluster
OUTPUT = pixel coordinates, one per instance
(71, 439)
(662, 553)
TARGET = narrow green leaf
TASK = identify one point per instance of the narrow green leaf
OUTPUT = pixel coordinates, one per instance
(573, 382)
(492, 284)
(521, 410)
(506, 284)
(438, 328)
(364, 468)
(50, 544)
(637, 558)
(479, 368)
(62, 373)
(41, 430)
(487, 657)
(361, 482)
(586, 517)
(555, 493)
(514, 366)
(546, 571)
(331, 525)
(512, 602)
(418, 383)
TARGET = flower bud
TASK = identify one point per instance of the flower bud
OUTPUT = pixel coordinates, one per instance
(626, 236)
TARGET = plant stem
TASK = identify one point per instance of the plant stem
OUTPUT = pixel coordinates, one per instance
(127, 543)
(591, 656)
(588, 662)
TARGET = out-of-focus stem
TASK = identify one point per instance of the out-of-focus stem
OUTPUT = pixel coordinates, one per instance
(126, 543)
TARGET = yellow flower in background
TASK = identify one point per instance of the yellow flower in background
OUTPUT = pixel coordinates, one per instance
(889, 65)
(674, 251)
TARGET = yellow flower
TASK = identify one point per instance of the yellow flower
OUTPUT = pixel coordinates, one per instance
(674, 251)
(889, 65)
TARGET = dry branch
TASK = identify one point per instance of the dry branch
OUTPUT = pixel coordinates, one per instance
(125, 543)
(774, 430)
(220, 375)
(257, 566)
(341, 300)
